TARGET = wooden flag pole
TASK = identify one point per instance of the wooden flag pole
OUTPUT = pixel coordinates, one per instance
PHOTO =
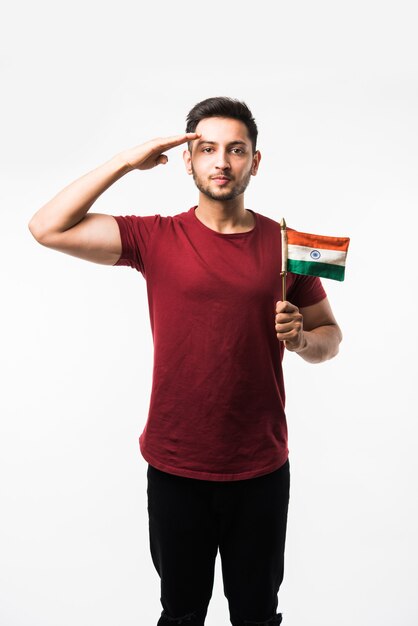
(283, 273)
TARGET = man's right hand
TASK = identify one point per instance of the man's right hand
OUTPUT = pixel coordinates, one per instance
(148, 155)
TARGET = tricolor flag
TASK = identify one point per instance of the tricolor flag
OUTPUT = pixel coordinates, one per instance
(316, 255)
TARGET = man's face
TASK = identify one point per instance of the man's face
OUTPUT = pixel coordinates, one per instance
(222, 160)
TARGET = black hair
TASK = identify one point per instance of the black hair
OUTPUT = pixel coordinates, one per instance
(222, 107)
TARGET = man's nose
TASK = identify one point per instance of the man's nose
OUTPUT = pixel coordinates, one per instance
(222, 161)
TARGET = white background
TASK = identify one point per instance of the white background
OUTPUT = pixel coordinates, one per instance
(334, 89)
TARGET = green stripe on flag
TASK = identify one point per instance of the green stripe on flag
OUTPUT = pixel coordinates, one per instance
(324, 270)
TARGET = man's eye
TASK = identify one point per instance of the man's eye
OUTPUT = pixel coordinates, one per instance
(207, 150)
(237, 150)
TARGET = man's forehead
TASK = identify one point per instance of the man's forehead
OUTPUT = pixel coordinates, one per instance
(198, 142)
(220, 129)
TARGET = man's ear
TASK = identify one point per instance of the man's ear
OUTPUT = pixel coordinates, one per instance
(187, 158)
(256, 162)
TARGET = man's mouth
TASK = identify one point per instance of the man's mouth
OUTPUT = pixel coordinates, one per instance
(221, 180)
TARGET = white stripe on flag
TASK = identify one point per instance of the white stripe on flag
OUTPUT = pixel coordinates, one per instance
(304, 253)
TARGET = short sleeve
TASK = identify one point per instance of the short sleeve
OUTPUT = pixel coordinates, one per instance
(306, 290)
(136, 234)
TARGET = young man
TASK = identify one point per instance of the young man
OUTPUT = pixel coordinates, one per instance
(216, 437)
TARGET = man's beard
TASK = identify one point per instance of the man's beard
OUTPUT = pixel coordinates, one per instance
(221, 194)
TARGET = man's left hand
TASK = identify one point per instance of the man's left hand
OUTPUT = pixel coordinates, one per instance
(289, 326)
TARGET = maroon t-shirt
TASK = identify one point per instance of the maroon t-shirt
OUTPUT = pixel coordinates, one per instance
(217, 401)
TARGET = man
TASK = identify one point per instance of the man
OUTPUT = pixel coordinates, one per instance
(216, 438)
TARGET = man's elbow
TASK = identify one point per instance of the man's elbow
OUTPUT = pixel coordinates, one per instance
(39, 233)
(34, 230)
(329, 346)
(335, 345)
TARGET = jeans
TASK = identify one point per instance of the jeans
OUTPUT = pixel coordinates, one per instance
(189, 519)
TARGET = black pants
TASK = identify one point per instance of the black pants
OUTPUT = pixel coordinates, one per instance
(189, 519)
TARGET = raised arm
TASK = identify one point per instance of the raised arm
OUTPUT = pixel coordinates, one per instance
(63, 223)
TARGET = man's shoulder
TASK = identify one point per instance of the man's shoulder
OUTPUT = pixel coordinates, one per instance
(157, 219)
(188, 216)
(184, 215)
(268, 223)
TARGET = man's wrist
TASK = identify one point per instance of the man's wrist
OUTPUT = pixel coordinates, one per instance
(121, 164)
(302, 347)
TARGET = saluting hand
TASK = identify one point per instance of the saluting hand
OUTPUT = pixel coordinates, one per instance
(289, 326)
(148, 155)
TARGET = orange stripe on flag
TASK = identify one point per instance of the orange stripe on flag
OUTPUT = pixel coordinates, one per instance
(297, 238)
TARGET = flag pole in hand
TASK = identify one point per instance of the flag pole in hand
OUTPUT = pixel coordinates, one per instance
(283, 273)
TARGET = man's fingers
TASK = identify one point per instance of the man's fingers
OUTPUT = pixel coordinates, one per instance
(289, 324)
(162, 159)
(176, 140)
(288, 318)
(283, 306)
(287, 327)
(151, 153)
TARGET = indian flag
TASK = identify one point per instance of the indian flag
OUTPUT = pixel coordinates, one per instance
(316, 255)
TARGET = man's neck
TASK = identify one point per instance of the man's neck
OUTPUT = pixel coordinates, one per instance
(225, 217)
